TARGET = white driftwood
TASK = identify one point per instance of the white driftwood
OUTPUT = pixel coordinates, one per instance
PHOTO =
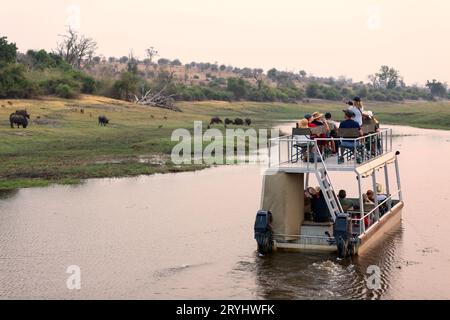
(159, 100)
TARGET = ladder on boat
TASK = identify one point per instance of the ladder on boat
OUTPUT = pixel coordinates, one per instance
(327, 189)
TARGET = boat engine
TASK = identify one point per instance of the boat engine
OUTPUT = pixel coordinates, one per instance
(343, 235)
(264, 232)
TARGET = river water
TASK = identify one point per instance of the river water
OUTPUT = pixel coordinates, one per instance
(190, 236)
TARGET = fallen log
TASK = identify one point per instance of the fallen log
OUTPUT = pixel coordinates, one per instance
(158, 100)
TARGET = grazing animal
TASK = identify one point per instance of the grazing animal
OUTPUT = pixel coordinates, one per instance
(248, 122)
(238, 122)
(228, 121)
(10, 103)
(153, 117)
(82, 111)
(19, 120)
(3, 106)
(103, 121)
(215, 120)
(166, 118)
(23, 113)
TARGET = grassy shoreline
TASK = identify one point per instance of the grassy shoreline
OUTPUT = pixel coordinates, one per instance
(64, 145)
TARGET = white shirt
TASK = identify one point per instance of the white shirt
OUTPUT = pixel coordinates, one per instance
(358, 114)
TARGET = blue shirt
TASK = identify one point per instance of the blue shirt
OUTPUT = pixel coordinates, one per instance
(349, 124)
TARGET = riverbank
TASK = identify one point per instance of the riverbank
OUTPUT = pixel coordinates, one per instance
(64, 143)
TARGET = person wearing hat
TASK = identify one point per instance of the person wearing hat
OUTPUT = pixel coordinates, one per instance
(349, 122)
(370, 119)
(308, 117)
(318, 121)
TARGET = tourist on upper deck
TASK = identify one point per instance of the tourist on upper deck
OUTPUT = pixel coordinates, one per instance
(308, 117)
(346, 204)
(357, 108)
(331, 125)
(370, 119)
(301, 139)
(349, 123)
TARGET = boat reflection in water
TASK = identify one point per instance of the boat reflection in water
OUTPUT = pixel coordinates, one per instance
(287, 275)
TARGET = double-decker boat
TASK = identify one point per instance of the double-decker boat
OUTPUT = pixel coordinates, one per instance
(284, 221)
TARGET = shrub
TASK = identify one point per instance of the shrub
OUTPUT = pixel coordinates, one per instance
(65, 91)
(13, 82)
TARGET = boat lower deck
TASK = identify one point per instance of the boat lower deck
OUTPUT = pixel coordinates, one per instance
(313, 236)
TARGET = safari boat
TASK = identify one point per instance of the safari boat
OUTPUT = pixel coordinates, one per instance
(284, 223)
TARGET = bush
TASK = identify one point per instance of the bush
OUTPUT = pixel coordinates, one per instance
(13, 82)
(65, 91)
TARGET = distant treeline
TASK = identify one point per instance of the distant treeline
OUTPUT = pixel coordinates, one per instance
(73, 68)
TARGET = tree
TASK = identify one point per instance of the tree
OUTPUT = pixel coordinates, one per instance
(123, 59)
(8, 51)
(272, 74)
(42, 60)
(132, 64)
(75, 48)
(126, 86)
(163, 62)
(313, 90)
(176, 62)
(302, 74)
(13, 82)
(437, 89)
(386, 78)
(238, 87)
(151, 54)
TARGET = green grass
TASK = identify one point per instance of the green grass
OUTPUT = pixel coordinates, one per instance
(66, 146)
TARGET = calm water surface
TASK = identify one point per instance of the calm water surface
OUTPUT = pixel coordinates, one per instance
(189, 236)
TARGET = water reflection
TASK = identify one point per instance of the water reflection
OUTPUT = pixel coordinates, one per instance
(5, 194)
(324, 276)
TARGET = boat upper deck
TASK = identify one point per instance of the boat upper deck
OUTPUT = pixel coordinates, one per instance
(361, 154)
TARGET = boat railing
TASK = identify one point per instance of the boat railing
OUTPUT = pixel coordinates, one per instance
(290, 151)
(375, 214)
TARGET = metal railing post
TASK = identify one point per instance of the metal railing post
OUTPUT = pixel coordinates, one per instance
(374, 183)
(397, 171)
(388, 189)
(361, 206)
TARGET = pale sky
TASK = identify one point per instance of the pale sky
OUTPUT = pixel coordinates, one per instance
(324, 37)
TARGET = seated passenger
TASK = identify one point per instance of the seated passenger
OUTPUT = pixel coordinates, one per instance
(309, 118)
(320, 208)
(331, 125)
(310, 193)
(371, 196)
(332, 133)
(318, 121)
(302, 139)
(345, 203)
(349, 123)
(366, 199)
